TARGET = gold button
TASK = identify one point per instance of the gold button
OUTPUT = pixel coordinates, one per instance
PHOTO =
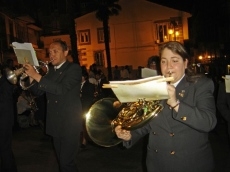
(156, 150)
(56, 101)
(172, 152)
(154, 133)
(184, 118)
(171, 134)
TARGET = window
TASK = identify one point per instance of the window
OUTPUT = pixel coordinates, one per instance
(99, 58)
(100, 35)
(168, 30)
(84, 37)
(162, 32)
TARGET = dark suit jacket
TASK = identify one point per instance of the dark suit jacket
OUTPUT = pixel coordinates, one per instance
(6, 114)
(103, 92)
(87, 96)
(223, 102)
(178, 141)
(64, 108)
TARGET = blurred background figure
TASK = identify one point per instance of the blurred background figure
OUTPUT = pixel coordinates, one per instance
(101, 92)
(10, 64)
(116, 73)
(154, 63)
(8, 163)
(87, 99)
(101, 79)
(152, 68)
(124, 73)
(27, 109)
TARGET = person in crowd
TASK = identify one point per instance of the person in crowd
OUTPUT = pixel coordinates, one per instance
(223, 104)
(9, 65)
(129, 71)
(91, 74)
(26, 109)
(7, 161)
(64, 111)
(116, 73)
(153, 63)
(101, 92)
(124, 73)
(87, 100)
(178, 136)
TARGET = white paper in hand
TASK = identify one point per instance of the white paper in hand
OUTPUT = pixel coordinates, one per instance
(146, 72)
(25, 53)
(151, 88)
(227, 83)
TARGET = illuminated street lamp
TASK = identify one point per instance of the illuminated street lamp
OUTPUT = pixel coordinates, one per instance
(177, 34)
(170, 31)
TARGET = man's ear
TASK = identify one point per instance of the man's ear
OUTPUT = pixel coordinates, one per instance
(66, 52)
(186, 63)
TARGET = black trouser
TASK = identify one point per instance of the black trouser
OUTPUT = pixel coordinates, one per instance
(6, 155)
(66, 149)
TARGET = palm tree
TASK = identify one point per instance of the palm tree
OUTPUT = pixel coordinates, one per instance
(105, 9)
(70, 5)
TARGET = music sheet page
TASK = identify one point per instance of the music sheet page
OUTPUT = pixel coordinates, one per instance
(25, 53)
(152, 88)
(227, 83)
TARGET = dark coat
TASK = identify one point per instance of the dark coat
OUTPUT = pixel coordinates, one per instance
(6, 124)
(6, 104)
(223, 104)
(64, 107)
(178, 141)
(87, 96)
(103, 92)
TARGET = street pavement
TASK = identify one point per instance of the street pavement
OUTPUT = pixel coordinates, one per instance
(34, 152)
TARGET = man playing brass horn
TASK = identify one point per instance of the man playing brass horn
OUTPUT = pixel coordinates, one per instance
(178, 136)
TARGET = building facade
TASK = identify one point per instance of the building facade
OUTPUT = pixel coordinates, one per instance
(17, 29)
(135, 34)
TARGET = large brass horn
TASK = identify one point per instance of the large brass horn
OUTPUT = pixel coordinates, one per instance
(107, 113)
(12, 75)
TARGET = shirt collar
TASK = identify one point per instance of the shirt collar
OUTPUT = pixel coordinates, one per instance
(57, 67)
(175, 84)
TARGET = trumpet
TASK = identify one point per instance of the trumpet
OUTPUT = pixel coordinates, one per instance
(12, 76)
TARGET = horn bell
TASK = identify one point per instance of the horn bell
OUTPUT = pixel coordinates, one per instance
(107, 113)
(98, 122)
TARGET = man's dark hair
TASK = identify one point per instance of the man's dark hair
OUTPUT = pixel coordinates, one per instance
(62, 43)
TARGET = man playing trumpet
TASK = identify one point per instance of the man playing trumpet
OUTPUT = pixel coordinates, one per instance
(64, 120)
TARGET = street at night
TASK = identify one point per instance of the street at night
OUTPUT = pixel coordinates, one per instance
(34, 153)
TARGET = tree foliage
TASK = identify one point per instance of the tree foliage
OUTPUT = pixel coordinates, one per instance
(105, 9)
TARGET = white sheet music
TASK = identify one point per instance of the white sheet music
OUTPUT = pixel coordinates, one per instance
(146, 72)
(227, 83)
(151, 88)
(25, 53)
